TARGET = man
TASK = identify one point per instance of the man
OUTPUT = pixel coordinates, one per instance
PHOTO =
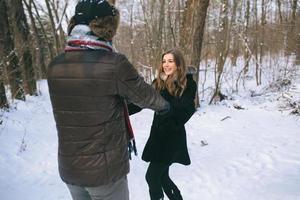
(89, 85)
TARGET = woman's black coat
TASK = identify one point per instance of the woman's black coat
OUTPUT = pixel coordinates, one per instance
(167, 140)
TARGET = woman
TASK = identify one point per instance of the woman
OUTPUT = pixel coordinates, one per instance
(167, 140)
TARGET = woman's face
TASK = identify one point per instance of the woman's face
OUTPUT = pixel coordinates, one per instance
(168, 64)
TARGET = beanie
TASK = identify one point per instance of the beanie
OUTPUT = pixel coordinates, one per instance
(87, 10)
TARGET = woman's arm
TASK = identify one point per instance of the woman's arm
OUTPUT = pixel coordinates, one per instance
(184, 106)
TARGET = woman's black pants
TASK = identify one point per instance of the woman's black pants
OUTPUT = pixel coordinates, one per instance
(158, 180)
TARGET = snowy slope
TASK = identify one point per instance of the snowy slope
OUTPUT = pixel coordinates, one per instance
(251, 154)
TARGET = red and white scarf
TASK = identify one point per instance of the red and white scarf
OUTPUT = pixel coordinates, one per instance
(81, 38)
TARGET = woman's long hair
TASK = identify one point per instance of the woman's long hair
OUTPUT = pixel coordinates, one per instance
(175, 83)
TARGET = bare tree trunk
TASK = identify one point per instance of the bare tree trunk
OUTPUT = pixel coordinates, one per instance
(222, 50)
(262, 40)
(147, 27)
(234, 28)
(171, 36)
(22, 40)
(160, 34)
(256, 40)
(178, 19)
(187, 28)
(49, 45)
(8, 57)
(201, 12)
(39, 50)
(291, 35)
(132, 57)
(61, 38)
(191, 34)
(279, 11)
(53, 28)
(298, 38)
(247, 53)
(154, 15)
(3, 99)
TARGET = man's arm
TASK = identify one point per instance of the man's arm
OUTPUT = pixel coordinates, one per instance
(131, 86)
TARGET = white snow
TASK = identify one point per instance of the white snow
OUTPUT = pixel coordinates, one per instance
(251, 154)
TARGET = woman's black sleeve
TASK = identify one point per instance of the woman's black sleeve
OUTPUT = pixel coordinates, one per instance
(184, 106)
(132, 108)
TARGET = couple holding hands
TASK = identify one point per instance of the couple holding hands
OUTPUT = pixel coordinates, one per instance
(90, 86)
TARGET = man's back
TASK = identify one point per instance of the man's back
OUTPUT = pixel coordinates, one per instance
(87, 90)
(89, 86)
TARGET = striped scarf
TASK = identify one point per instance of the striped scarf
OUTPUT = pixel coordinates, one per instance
(82, 38)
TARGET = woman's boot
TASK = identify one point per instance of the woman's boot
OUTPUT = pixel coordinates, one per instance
(174, 194)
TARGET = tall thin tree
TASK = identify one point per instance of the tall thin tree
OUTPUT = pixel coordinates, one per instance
(234, 38)
(40, 57)
(43, 31)
(291, 34)
(53, 27)
(55, 8)
(263, 23)
(3, 98)
(298, 38)
(22, 43)
(246, 37)
(256, 41)
(221, 50)
(279, 11)
(9, 59)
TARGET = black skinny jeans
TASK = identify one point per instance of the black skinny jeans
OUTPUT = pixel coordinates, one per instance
(158, 180)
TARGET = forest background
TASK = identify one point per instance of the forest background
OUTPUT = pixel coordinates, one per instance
(257, 39)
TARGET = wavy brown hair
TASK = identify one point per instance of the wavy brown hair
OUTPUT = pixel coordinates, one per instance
(103, 27)
(176, 83)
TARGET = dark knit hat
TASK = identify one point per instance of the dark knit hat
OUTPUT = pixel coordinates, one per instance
(87, 10)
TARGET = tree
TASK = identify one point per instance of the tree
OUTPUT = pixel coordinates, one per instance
(53, 28)
(22, 43)
(221, 50)
(291, 34)
(246, 38)
(40, 57)
(42, 29)
(55, 8)
(256, 41)
(279, 10)
(298, 39)
(263, 24)
(154, 18)
(3, 99)
(192, 32)
(9, 61)
(234, 28)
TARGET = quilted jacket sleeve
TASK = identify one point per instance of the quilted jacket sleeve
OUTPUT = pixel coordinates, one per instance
(132, 87)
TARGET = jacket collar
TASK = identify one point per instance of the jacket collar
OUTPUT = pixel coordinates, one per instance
(81, 38)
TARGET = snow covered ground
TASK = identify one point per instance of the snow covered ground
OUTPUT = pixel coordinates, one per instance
(251, 153)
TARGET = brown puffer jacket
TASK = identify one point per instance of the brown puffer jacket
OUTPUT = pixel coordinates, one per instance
(87, 91)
